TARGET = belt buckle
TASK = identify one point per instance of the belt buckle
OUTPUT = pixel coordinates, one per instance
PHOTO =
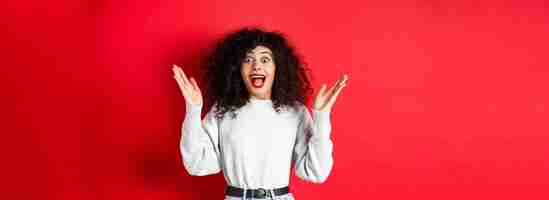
(261, 193)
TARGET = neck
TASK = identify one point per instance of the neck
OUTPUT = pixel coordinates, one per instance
(261, 97)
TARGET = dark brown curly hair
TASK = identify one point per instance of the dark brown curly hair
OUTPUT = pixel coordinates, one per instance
(224, 86)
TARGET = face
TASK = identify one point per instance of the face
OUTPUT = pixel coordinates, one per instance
(258, 72)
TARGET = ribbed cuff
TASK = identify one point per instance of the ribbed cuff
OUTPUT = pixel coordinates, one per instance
(322, 123)
(321, 115)
(193, 110)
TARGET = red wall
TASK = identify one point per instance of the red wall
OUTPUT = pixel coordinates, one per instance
(446, 100)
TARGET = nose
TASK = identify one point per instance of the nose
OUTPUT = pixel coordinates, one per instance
(256, 66)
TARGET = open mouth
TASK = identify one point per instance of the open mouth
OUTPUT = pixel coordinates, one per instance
(258, 80)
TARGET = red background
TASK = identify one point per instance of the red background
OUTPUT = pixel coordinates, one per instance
(446, 100)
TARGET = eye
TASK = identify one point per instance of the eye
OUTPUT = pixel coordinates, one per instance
(265, 60)
(247, 60)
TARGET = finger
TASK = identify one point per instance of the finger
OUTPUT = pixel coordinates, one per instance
(187, 82)
(175, 70)
(182, 85)
(177, 75)
(195, 86)
(345, 78)
(338, 82)
(341, 79)
(174, 67)
(334, 96)
(321, 91)
(332, 88)
(182, 74)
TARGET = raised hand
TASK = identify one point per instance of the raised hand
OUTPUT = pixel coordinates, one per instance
(189, 89)
(325, 99)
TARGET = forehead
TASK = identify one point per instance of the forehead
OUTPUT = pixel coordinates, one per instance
(260, 50)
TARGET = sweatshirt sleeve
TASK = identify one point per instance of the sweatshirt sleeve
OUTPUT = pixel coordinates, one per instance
(199, 144)
(313, 148)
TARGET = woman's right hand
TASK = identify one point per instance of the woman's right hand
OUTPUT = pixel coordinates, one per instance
(189, 89)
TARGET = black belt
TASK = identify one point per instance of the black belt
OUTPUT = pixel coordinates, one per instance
(255, 193)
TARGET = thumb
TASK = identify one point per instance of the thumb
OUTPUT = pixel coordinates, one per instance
(321, 91)
(195, 86)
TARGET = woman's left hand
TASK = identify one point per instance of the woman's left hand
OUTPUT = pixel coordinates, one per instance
(325, 99)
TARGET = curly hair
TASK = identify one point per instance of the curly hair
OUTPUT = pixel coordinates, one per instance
(225, 88)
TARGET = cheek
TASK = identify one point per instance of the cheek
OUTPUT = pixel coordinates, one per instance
(272, 71)
(245, 67)
(243, 72)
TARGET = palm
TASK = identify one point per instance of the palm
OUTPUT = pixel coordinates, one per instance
(189, 89)
(325, 99)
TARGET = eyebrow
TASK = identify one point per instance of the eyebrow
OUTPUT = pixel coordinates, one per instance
(266, 52)
(263, 52)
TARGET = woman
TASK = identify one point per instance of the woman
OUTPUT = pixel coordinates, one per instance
(257, 78)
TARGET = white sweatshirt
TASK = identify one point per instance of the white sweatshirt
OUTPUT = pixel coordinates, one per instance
(257, 148)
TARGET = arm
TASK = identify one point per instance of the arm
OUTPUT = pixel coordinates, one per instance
(313, 149)
(199, 142)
